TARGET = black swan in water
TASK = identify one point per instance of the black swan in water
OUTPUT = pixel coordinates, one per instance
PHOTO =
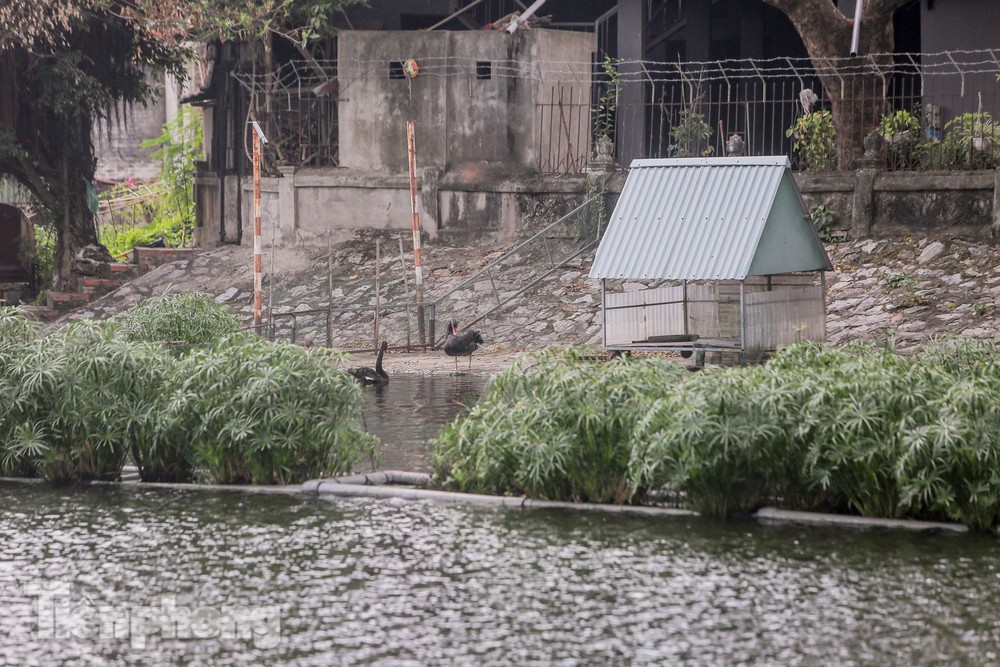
(375, 375)
(461, 344)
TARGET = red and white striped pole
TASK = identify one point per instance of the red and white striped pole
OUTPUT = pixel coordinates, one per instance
(258, 255)
(418, 269)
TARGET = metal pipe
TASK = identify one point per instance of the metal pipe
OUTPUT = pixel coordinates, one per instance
(418, 269)
(525, 15)
(856, 32)
(258, 259)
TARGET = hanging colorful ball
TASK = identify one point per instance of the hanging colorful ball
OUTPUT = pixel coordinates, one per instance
(411, 69)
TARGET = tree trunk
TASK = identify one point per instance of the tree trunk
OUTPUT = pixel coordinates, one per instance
(854, 85)
(78, 251)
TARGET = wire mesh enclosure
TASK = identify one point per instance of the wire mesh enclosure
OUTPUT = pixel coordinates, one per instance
(743, 319)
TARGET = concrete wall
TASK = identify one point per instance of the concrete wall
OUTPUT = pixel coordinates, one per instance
(459, 117)
(900, 203)
(117, 144)
(312, 204)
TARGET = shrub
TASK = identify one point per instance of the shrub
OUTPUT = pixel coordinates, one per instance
(951, 463)
(188, 317)
(858, 428)
(814, 139)
(971, 141)
(712, 441)
(248, 410)
(74, 401)
(904, 137)
(556, 425)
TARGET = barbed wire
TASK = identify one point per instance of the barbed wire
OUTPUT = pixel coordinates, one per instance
(303, 76)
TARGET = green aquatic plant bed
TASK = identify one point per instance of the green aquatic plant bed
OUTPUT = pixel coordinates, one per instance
(858, 429)
(75, 404)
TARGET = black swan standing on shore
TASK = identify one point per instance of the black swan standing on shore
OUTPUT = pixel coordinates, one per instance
(461, 344)
(375, 375)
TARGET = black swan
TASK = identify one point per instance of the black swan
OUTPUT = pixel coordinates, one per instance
(375, 375)
(461, 344)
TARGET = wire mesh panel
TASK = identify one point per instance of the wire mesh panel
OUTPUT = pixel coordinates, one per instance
(784, 316)
(631, 317)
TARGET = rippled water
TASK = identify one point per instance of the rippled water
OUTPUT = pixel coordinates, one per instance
(412, 583)
(409, 412)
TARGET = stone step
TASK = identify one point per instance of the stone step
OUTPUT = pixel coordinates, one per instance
(94, 286)
(124, 269)
(66, 300)
(40, 313)
(153, 257)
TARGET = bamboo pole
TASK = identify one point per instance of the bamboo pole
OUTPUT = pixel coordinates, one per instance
(417, 256)
(258, 259)
(378, 285)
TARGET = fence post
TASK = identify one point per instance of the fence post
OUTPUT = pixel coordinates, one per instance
(996, 204)
(418, 269)
(864, 190)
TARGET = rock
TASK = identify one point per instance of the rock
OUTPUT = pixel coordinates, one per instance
(930, 252)
(864, 305)
(915, 325)
(227, 295)
(568, 278)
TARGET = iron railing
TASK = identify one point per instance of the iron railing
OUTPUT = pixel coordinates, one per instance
(503, 280)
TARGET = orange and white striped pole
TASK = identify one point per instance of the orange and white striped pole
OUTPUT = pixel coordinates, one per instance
(418, 269)
(258, 255)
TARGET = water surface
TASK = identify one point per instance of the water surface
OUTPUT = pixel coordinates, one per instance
(409, 412)
(412, 583)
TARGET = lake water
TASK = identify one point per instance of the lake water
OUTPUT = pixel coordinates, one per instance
(132, 575)
(408, 412)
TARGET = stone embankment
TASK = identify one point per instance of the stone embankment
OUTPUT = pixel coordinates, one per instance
(904, 289)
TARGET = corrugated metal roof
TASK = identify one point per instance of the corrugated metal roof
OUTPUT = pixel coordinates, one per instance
(703, 219)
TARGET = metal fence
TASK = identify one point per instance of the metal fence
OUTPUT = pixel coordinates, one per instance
(931, 111)
(490, 289)
(297, 104)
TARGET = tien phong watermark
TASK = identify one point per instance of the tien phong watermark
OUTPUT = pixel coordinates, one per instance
(62, 615)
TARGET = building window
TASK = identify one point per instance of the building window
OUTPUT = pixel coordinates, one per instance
(396, 69)
(484, 69)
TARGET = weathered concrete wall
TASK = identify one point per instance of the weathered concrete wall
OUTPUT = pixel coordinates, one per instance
(902, 203)
(474, 99)
(476, 205)
(117, 145)
(312, 205)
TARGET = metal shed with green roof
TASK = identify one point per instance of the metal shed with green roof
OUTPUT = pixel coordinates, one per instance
(711, 254)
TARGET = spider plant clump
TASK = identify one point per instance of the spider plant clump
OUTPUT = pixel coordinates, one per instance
(16, 329)
(248, 410)
(721, 441)
(951, 463)
(74, 401)
(556, 425)
(185, 318)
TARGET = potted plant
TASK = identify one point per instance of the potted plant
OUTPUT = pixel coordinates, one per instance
(903, 135)
(814, 139)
